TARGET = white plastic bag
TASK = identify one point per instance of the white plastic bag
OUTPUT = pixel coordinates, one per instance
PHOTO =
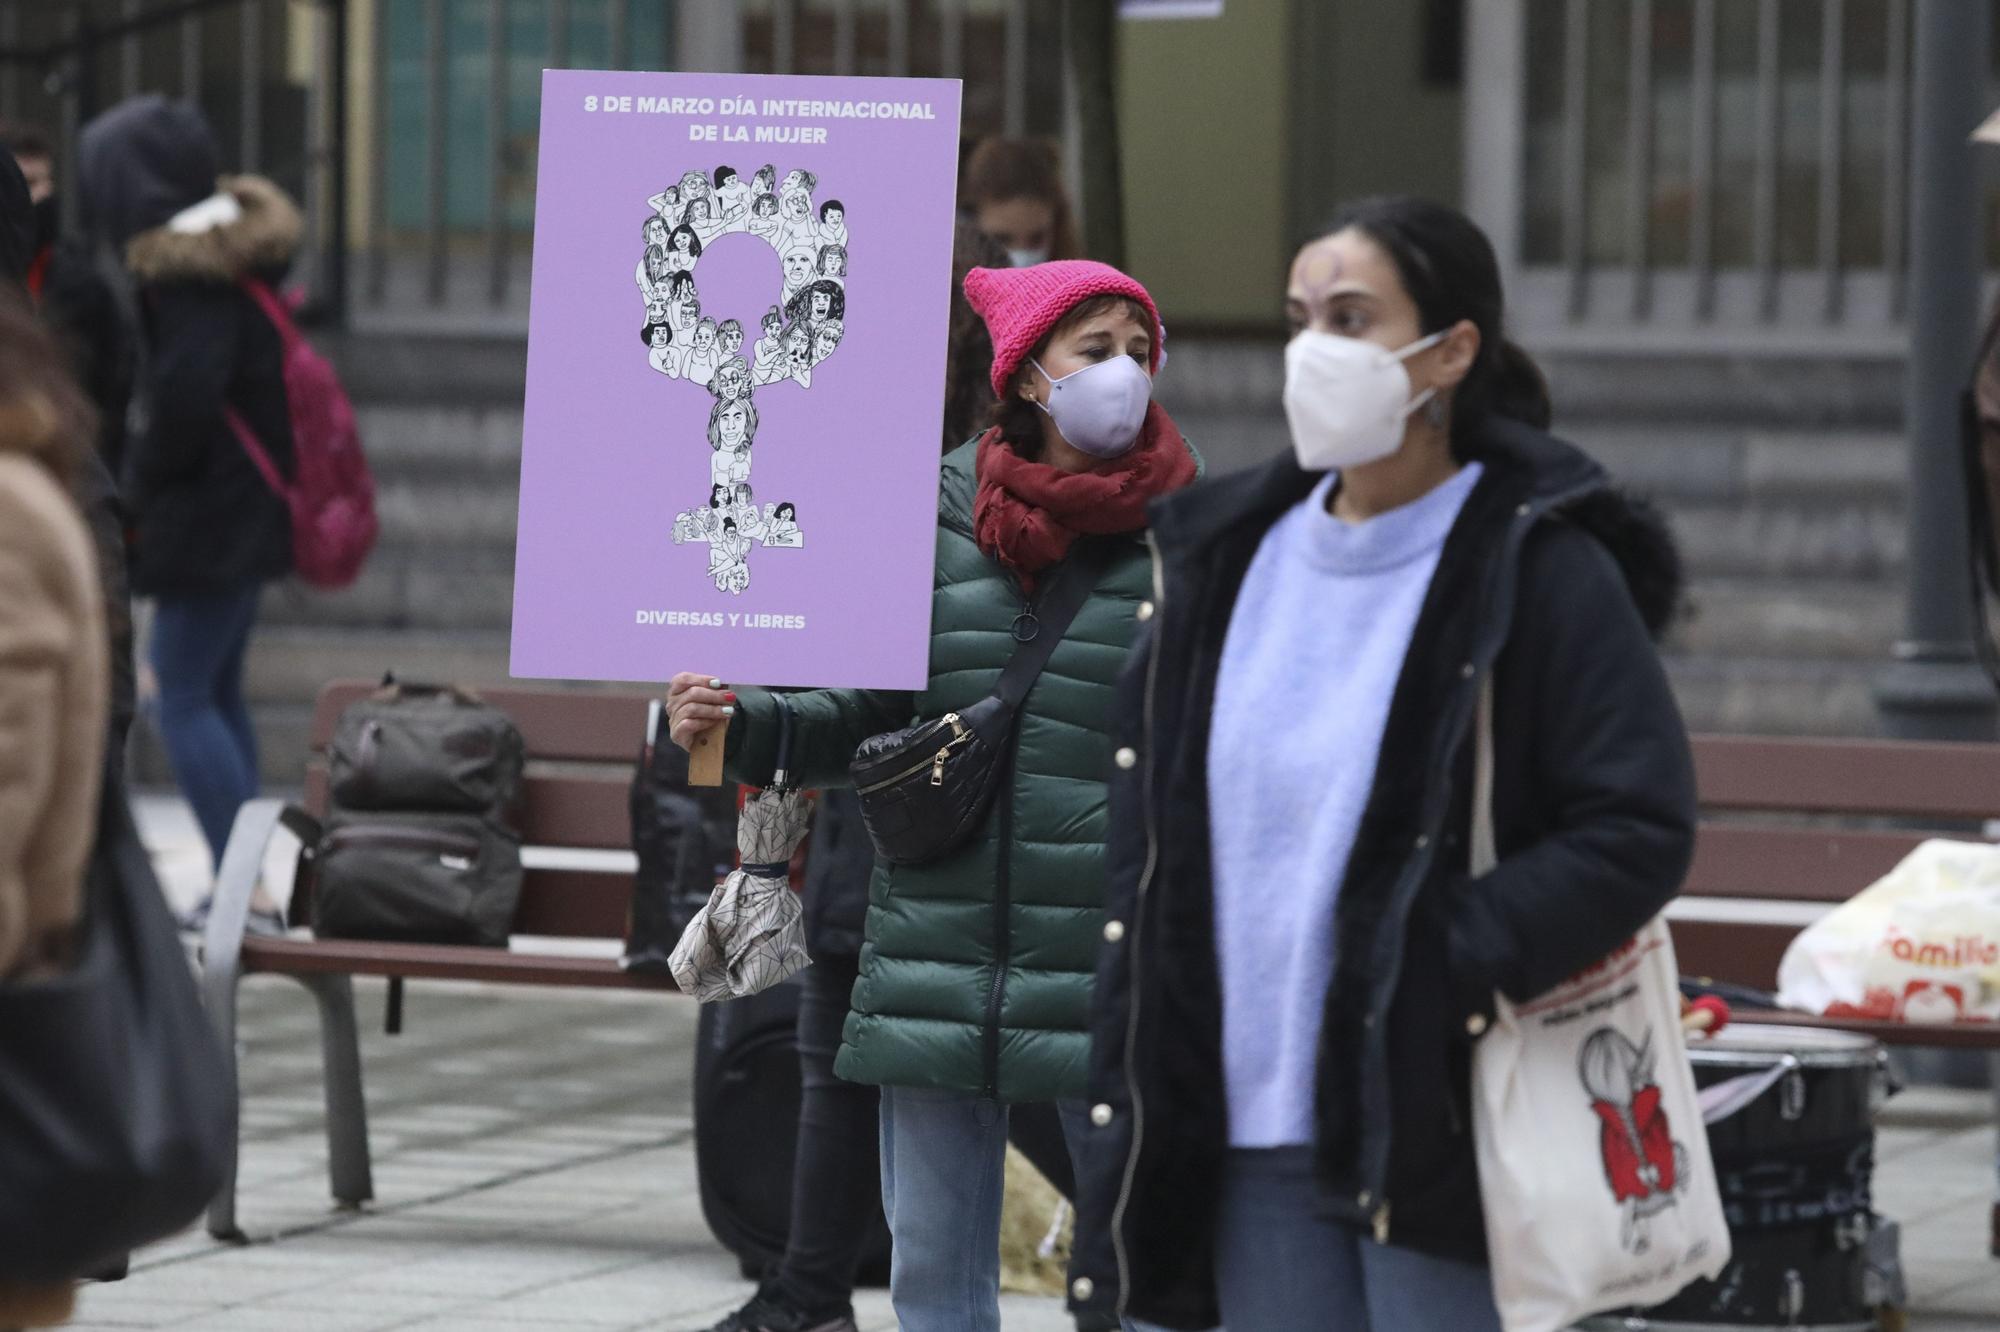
(1594, 1170)
(1921, 944)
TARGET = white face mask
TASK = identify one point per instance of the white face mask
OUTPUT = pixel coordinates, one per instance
(1100, 408)
(1346, 399)
(1028, 258)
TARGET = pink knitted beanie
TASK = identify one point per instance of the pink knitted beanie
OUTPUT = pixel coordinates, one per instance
(1020, 305)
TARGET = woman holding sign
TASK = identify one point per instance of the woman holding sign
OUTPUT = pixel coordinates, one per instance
(974, 987)
(1305, 955)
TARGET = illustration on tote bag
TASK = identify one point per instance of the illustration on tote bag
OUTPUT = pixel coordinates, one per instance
(1645, 1168)
(801, 329)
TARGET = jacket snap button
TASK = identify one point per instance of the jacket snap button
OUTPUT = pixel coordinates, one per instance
(1145, 611)
(1476, 1025)
(1100, 1115)
(1523, 511)
(1423, 840)
(1083, 1288)
(1467, 671)
(1127, 758)
(1365, 1200)
(1114, 930)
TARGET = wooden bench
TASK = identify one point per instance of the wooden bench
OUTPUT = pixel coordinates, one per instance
(581, 747)
(1792, 828)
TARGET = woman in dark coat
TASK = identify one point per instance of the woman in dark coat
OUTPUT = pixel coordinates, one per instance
(208, 530)
(1298, 964)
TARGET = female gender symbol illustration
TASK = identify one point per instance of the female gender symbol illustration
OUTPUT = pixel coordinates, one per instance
(797, 333)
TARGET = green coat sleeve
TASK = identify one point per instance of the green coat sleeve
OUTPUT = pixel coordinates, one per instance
(828, 725)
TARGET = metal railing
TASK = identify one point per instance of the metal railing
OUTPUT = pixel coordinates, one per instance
(61, 64)
(456, 87)
(1724, 173)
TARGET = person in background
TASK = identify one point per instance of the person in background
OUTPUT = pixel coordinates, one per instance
(54, 680)
(209, 531)
(973, 984)
(1299, 964)
(21, 241)
(1983, 496)
(67, 284)
(1012, 189)
(836, 1171)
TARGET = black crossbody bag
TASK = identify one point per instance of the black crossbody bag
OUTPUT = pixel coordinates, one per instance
(925, 789)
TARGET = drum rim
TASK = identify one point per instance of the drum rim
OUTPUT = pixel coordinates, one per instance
(1755, 1045)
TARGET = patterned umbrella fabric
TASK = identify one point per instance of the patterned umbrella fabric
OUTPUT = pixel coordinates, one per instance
(751, 934)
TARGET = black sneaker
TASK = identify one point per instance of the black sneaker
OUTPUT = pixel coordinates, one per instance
(764, 1314)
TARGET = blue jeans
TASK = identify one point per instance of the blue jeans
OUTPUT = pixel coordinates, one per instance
(1282, 1266)
(198, 648)
(944, 1163)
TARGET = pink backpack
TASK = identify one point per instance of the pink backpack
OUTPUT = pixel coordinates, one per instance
(332, 496)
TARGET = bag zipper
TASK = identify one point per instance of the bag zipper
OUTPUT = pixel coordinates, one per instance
(409, 839)
(1002, 926)
(934, 762)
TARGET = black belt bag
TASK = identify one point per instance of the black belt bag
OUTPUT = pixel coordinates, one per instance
(925, 789)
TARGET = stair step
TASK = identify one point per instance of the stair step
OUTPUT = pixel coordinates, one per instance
(401, 590)
(1835, 539)
(288, 664)
(410, 440)
(1776, 696)
(1848, 620)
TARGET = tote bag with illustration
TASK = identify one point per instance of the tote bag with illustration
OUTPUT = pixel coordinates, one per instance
(1594, 1170)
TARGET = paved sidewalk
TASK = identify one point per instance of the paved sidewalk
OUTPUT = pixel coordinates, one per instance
(534, 1166)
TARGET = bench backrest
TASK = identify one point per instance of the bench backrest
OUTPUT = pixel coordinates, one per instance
(1815, 821)
(581, 748)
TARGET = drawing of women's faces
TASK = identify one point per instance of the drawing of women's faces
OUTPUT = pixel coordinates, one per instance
(730, 334)
(798, 346)
(732, 381)
(694, 185)
(732, 424)
(797, 206)
(798, 268)
(794, 179)
(826, 339)
(822, 307)
(656, 233)
(704, 336)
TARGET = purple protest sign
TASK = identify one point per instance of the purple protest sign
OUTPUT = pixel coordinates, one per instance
(727, 464)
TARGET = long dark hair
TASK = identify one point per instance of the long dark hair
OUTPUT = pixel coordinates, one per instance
(1448, 267)
(968, 358)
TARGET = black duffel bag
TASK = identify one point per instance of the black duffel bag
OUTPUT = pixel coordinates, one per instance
(421, 841)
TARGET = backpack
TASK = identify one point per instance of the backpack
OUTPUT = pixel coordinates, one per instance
(332, 496)
(422, 839)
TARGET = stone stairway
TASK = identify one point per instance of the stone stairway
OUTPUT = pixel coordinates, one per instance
(1784, 482)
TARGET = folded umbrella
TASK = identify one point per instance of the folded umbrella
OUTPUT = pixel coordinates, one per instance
(751, 935)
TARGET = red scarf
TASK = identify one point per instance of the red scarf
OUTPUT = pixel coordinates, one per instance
(1028, 514)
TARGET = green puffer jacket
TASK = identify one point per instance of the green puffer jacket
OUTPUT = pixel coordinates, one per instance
(977, 968)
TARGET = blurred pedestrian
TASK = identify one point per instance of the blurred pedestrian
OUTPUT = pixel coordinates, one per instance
(1299, 965)
(97, 491)
(66, 281)
(209, 531)
(53, 684)
(1013, 191)
(975, 978)
(968, 358)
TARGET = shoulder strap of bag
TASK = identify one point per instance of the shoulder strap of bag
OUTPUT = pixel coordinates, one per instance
(273, 308)
(1061, 599)
(1485, 852)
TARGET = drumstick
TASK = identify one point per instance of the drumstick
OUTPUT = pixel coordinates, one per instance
(1707, 1014)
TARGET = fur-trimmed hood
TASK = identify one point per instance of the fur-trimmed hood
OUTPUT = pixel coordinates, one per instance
(249, 226)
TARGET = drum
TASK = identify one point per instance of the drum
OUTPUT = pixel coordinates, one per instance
(1791, 1113)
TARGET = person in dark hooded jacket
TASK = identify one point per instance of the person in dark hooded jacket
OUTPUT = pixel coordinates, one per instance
(97, 492)
(1298, 963)
(208, 530)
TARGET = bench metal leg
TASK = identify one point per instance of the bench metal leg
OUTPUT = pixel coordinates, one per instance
(348, 1165)
(222, 967)
(219, 996)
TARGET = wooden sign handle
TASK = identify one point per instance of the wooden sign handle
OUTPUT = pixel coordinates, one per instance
(705, 757)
